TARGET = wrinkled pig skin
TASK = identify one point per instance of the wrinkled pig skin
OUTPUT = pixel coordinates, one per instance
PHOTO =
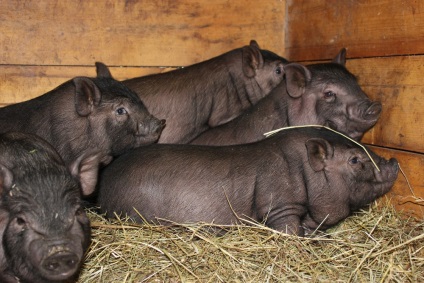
(207, 94)
(85, 114)
(318, 94)
(44, 230)
(298, 179)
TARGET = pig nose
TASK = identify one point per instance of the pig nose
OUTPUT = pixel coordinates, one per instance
(154, 126)
(60, 265)
(373, 111)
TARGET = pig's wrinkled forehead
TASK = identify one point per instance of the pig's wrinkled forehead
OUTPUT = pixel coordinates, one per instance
(271, 56)
(43, 192)
(111, 89)
(332, 73)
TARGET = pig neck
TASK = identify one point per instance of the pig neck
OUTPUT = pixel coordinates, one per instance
(268, 114)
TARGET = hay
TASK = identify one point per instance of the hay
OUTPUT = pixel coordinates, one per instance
(374, 245)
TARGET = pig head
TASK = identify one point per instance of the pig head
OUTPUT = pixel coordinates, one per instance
(44, 230)
(328, 94)
(85, 114)
(297, 178)
(207, 94)
(319, 94)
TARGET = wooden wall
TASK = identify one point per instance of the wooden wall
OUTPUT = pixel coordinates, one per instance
(44, 43)
(385, 49)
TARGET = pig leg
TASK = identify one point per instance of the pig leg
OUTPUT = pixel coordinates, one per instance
(288, 224)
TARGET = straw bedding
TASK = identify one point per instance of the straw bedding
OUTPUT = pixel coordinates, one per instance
(377, 244)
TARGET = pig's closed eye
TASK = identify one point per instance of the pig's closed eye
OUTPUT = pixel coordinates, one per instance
(121, 111)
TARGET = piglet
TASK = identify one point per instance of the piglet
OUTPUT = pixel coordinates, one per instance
(299, 179)
(44, 230)
(207, 94)
(317, 94)
(85, 114)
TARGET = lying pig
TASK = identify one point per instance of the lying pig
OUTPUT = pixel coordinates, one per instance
(44, 231)
(205, 95)
(85, 114)
(319, 94)
(298, 179)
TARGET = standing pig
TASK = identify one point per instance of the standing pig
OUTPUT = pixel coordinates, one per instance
(319, 94)
(295, 180)
(85, 114)
(44, 230)
(205, 95)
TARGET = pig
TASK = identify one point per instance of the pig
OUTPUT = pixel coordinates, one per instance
(85, 114)
(297, 180)
(44, 230)
(318, 94)
(207, 94)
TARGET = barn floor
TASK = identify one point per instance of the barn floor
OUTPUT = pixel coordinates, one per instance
(377, 244)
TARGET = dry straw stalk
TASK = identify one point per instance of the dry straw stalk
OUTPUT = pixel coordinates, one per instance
(374, 245)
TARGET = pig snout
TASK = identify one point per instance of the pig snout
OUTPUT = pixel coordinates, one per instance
(367, 112)
(372, 113)
(150, 129)
(60, 265)
(390, 169)
(361, 118)
(388, 173)
(56, 260)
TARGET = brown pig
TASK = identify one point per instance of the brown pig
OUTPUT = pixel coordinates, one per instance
(207, 94)
(299, 179)
(44, 230)
(85, 114)
(318, 94)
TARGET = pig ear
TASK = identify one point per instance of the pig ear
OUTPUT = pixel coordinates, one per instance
(87, 95)
(297, 78)
(6, 178)
(319, 150)
(341, 57)
(86, 169)
(252, 59)
(253, 43)
(102, 70)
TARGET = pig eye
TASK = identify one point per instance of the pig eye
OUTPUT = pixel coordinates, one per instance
(278, 71)
(121, 111)
(354, 161)
(329, 95)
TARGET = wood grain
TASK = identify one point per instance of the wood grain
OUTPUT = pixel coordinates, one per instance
(21, 83)
(396, 82)
(318, 29)
(134, 33)
(408, 200)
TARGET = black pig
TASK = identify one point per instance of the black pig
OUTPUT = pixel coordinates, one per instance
(318, 94)
(297, 179)
(207, 94)
(85, 114)
(44, 230)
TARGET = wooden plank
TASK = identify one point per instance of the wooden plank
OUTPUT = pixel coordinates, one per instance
(20, 83)
(134, 33)
(317, 29)
(410, 201)
(396, 82)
